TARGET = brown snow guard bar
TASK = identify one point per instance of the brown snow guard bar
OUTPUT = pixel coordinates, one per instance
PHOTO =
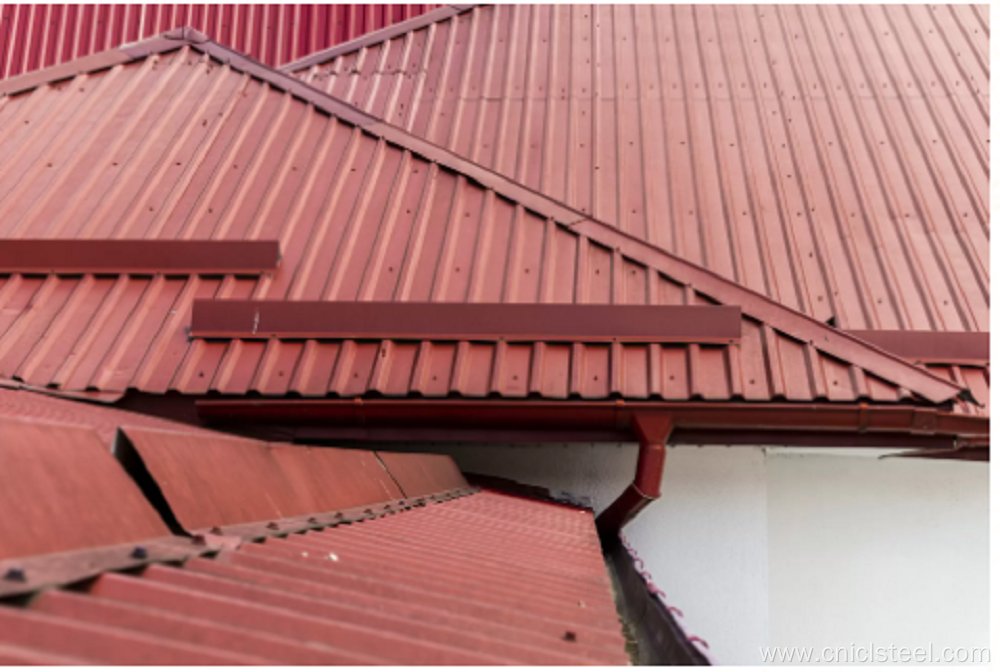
(139, 256)
(465, 321)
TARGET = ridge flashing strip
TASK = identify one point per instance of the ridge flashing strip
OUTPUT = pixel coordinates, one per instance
(465, 321)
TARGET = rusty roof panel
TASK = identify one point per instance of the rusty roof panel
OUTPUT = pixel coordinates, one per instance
(139, 256)
(524, 584)
(834, 158)
(419, 474)
(60, 490)
(359, 219)
(38, 36)
(217, 480)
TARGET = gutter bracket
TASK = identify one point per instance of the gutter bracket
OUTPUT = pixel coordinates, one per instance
(924, 421)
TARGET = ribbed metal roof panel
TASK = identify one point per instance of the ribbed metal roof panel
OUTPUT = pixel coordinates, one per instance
(834, 158)
(178, 145)
(37, 36)
(482, 579)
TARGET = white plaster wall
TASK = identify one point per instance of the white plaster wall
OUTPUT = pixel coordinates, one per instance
(877, 551)
(779, 547)
(705, 543)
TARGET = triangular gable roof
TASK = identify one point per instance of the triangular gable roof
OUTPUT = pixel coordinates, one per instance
(826, 156)
(238, 155)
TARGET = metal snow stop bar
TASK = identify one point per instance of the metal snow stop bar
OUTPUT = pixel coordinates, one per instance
(465, 321)
(139, 256)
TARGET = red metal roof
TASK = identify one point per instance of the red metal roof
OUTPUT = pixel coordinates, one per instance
(481, 578)
(163, 141)
(834, 158)
(37, 36)
(60, 489)
(214, 480)
(17, 403)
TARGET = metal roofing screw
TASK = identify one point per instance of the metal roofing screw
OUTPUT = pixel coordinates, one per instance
(198, 539)
(140, 553)
(15, 574)
(272, 525)
(216, 530)
(312, 519)
(339, 516)
(570, 636)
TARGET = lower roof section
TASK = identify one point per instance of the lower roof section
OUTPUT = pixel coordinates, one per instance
(483, 579)
(198, 548)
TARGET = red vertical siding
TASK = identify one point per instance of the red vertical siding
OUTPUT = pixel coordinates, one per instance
(38, 36)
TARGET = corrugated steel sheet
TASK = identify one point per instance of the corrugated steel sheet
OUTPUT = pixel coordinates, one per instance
(104, 420)
(418, 475)
(37, 36)
(178, 145)
(226, 480)
(483, 579)
(834, 158)
(60, 489)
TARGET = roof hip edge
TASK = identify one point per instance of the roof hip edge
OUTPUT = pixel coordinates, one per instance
(376, 37)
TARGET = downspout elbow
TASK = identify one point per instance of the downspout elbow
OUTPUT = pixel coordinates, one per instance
(652, 432)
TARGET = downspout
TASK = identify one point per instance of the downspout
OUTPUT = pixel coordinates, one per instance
(652, 430)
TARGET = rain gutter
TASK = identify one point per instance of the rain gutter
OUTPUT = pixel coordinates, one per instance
(807, 424)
